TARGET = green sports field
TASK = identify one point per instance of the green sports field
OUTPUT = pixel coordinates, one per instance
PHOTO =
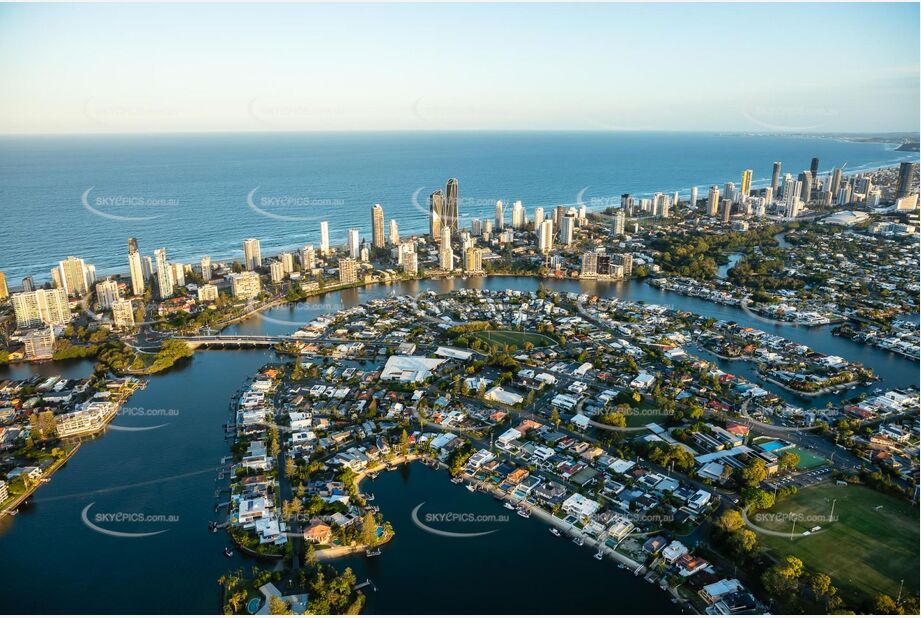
(869, 549)
(513, 338)
(807, 459)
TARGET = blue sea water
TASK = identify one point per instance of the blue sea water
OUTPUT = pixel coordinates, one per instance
(202, 194)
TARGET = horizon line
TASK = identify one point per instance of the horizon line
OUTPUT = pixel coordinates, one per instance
(887, 133)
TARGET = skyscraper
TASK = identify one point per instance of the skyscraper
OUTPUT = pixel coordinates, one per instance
(394, 233)
(252, 254)
(713, 201)
(107, 293)
(4, 289)
(324, 237)
(835, 184)
(806, 178)
(727, 210)
(746, 183)
(377, 226)
(473, 260)
(907, 171)
(206, 268)
(75, 276)
(568, 228)
(308, 258)
(450, 212)
(39, 307)
(620, 220)
(814, 167)
(775, 177)
(164, 274)
(354, 243)
(436, 214)
(538, 218)
(545, 236)
(445, 253)
(693, 199)
(518, 215)
(136, 268)
(500, 217)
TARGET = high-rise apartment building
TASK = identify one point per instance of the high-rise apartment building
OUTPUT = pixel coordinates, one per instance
(348, 270)
(377, 226)
(206, 268)
(252, 254)
(445, 252)
(164, 274)
(354, 243)
(324, 238)
(107, 293)
(136, 268)
(40, 307)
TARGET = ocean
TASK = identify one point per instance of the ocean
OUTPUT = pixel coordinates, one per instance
(203, 194)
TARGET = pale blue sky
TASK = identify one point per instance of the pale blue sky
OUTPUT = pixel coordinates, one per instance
(781, 67)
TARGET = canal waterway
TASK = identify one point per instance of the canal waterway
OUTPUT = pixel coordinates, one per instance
(162, 481)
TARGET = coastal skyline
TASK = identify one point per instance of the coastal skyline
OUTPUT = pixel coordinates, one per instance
(460, 309)
(238, 68)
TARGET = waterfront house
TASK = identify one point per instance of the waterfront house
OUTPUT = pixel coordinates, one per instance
(318, 533)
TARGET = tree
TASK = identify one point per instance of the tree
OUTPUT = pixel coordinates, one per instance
(404, 443)
(555, 418)
(278, 607)
(368, 530)
(743, 541)
(753, 474)
(788, 460)
(782, 580)
(884, 604)
(730, 521)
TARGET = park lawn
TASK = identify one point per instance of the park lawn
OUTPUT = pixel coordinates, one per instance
(513, 338)
(807, 459)
(865, 551)
(643, 415)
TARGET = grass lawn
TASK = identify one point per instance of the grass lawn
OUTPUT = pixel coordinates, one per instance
(865, 551)
(807, 459)
(513, 338)
(643, 415)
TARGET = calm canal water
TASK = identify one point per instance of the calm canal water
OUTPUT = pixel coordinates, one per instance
(168, 473)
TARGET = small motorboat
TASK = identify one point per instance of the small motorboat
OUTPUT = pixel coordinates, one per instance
(370, 553)
(524, 513)
(599, 555)
(471, 487)
(508, 505)
(457, 480)
(369, 497)
(228, 552)
(578, 541)
(554, 532)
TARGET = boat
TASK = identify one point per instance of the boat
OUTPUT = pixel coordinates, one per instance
(599, 555)
(373, 475)
(369, 497)
(554, 532)
(457, 480)
(370, 553)
(578, 541)
(523, 513)
(471, 487)
(508, 505)
(228, 552)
